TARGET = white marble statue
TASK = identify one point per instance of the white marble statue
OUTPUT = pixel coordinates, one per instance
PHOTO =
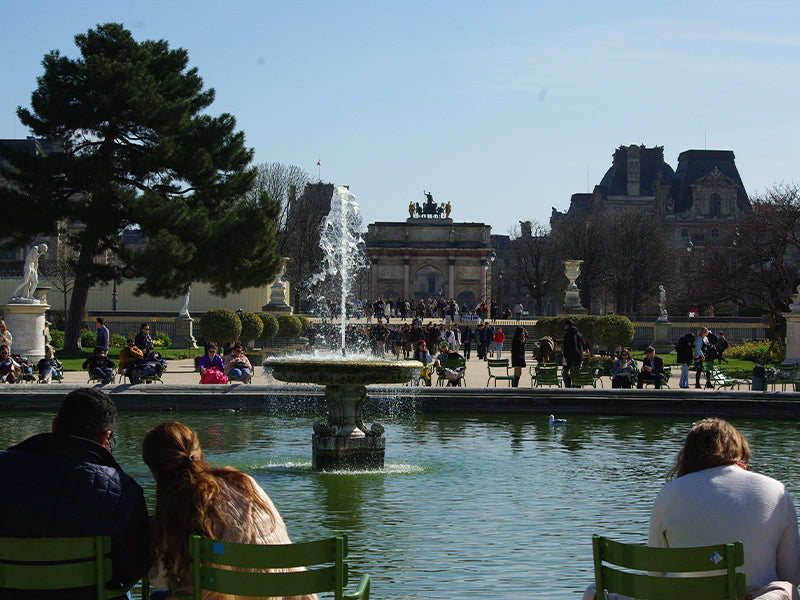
(662, 300)
(184, 310)
(30, 274)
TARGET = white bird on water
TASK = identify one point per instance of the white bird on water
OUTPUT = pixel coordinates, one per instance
(553, 421)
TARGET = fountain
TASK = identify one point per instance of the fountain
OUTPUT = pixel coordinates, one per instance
(344, 442)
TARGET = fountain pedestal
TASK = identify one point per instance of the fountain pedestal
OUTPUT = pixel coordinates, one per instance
(344, 442)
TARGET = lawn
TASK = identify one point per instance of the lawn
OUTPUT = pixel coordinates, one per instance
(73, 361)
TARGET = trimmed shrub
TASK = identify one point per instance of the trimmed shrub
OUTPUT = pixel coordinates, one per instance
(303, 323)
(117, 340)
(56, 339)
(289, 326)
(614, 330)
(611, 330)
(220, 325)
(757, 351)
(589, 326)
(88, 338)
(161, 338)
(252, 326)
(270, 326)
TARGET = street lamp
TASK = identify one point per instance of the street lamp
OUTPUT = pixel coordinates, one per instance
(500, 290)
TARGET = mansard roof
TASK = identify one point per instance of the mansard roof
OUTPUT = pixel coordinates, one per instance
(695, 164)
(651, 164)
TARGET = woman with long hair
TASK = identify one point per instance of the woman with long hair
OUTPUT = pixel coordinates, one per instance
(518, 353)
(193, 497)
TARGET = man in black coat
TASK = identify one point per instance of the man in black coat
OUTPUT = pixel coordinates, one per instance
(67, 484)
(572, 351)
(652, 369)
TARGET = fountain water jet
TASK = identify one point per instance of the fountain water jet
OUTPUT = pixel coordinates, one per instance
(344, 442)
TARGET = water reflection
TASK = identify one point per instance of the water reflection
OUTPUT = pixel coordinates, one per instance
(495, 506)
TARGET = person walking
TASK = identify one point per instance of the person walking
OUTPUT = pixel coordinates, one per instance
(572, 351)
(102, 335)
(684, 356)
(466, 341)
(518, 353)
(499, 339)
(701, 351)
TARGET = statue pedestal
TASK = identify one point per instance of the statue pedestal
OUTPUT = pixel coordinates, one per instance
(26, 322)
(792, 337)
(183, 333)
(662, 341)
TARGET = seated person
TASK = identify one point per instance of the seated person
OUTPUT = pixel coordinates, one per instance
(151, 364)
(422, 355)
(652, 369)
(49, 367)
(100, 366)
(237, 365)
(212, 369)
(129, 355)
(452, 375)
(26, 368)
(714, 499)
(9, 368)
(192, 497)
(623, 370)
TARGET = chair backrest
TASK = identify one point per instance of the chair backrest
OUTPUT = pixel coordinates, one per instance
(582, 376)
(614, 561)
(227, 567)
(497, 363)
(454, 363)
(57, 564)
(546, 375)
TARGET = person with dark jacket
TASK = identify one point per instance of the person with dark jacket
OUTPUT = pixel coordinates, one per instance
(67, 484)
(143, 341)
(466, 341)
(518, 353)
(652, 369)
(684, 356)
(99, 365)
(572, 351)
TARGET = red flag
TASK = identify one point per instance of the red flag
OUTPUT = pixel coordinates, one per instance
(319, 163)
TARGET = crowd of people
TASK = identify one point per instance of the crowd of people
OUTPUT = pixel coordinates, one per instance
(437, 307)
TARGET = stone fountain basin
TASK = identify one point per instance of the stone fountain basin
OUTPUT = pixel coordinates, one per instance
(342, 371)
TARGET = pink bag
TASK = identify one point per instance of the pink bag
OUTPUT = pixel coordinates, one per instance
(213, 376)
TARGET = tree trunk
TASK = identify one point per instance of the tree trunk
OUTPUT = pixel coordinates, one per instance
(77, 304)
(74, 318)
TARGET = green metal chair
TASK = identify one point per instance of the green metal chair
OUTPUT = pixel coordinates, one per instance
(227, 568)
(43, 564)
(583, 377)
(541, 376)
(451, 363)
(614, 563)
(501, 365)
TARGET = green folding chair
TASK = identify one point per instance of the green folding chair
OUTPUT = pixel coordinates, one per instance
(500, 365)
(227, 568)
(709, 572)
(41, 564)
(541, 376)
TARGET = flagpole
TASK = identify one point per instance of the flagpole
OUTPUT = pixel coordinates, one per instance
(319, 170)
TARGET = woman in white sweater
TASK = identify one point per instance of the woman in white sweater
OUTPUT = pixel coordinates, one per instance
(714, 499)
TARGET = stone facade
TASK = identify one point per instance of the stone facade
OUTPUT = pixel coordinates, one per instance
(424, 258)
(704, 192)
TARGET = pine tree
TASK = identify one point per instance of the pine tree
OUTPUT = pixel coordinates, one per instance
(140, 152)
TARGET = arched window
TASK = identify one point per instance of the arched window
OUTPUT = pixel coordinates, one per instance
(684, 234)
(715, 205)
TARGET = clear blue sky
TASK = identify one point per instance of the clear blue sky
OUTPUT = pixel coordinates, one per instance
(503, 108)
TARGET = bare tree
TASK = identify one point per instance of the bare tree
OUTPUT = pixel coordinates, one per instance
(532, 261)
(282, 183)
(756, 263)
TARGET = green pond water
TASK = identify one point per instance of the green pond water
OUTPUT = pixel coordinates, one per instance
(467, 506)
